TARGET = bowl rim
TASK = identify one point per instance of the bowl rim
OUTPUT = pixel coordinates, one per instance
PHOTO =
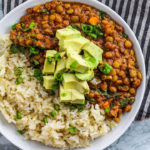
(132, 36)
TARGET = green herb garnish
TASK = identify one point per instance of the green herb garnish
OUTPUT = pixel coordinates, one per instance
(63, 94)
(44, 10)
(53, 113)
(124, 102)
(49, 59)
(57, 56)
(38, 75)
(59, 77)
(102, 14)
(57, 107)
(22, 25)
(72, 129)
(21, 132)
(107, 110)
(18, 115)
(13, 27)
(73, 65)
(31, 26)
(55, 86)
(51, 93)
(33, 51)
(16, 49)
(19, 80)
(45, 119)
(75, 26)
(125, 35)
(106, 68)
(92, 30)
(36, 62)
(19, 71)
(80, 109)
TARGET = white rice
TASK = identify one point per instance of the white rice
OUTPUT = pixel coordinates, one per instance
(31, 99)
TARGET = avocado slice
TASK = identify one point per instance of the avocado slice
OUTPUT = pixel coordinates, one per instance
(49, 68)
(65, 95)
(61, 65)
(67, 33)
(71, 82)
(89, 75)
(77, 97)
(48, 82)
(74, 44)
(50, 53)
(91, 61)
(76, 63)
(94, 52)
(71, 96)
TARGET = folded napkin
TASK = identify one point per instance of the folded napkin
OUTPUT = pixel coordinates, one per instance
(137, 14)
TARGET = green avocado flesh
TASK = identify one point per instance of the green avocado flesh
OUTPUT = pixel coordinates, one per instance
(77, 58)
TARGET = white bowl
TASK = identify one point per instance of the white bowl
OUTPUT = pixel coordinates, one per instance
(9, 130)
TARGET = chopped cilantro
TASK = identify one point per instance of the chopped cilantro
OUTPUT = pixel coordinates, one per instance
(53, 113)
(72, 129)
(19, 80)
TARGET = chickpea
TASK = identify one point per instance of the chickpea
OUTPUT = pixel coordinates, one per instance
(52, 17)
(109, 77)
(112, 89)
(119, 82)
(59, 9)
(123, 88)
(96, 94)
(75, 18)
(128, 108)
(104, 22)
(109, 38)
(117, 54)
(132, 91)
(103, 86)
(114, 78)
(91, 94)
(131, 64)
(106, 105)
(127, 95)
(126, 81)
(117, 119)
(108, 54)
(126, 52)
(67, 5)
(70, 11)
(122, 74)
(104, 77)
(116, 64)
(84, 19)
(132, 52)
(39, 36)
(133, 73)
(52, 11)
(28, 42)
(66, 22)
(136, 83)
(112, 72)
(139, 75)
(58, 18)
(128, 44)
(41, 60)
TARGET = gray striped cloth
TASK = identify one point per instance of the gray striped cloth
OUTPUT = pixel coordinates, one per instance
(137, 14)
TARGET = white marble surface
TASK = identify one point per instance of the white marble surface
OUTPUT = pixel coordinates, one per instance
(137, 136)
